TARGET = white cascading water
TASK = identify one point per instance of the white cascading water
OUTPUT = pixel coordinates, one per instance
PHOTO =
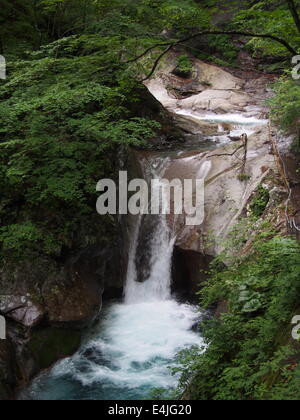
(235, 119)
(239, 123)
(157, 287)
(136, 342)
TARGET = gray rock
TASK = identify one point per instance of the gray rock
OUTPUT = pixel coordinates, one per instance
(21, 309)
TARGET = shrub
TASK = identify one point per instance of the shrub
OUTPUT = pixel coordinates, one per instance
(285, 105)
(184, 66)
(259, 202)
(247, 357)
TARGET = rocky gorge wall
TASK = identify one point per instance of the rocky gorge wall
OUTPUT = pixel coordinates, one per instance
(214, 107)
(49, 303)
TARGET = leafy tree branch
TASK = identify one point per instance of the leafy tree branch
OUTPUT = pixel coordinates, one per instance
(171, 45)
(293, 10)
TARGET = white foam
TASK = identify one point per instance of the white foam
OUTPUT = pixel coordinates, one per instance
(238, 119)
(136, 341)
(139, 342)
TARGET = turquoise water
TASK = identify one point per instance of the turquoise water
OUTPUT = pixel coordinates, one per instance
(132, 348)
(126, 355)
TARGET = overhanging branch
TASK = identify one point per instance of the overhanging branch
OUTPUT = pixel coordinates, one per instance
(173, 44)
(294, 13)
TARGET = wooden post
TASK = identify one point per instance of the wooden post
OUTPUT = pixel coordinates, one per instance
(244, 138)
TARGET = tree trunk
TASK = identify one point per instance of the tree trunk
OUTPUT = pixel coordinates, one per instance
(293, 10)
(244, 138)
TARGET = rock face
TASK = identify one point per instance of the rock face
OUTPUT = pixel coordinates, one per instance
(233, 173)
(226, 193)
(188, 267)
(7, 370)
(21, 309)
(58, 293)
(210, 89)
(220, 101)
(47, 304)
(229, 188)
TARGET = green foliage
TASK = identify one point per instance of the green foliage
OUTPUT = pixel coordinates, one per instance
(34, 22)
(223, 52)
(184, 15)
(269, 18)
(259, 202)
(39, 22)
(261, 17)
(162, 394)
(289, 388)
(184, 66)
(244, 177)
(62, 124)
(246, 353)
(285, 105)
(16, 238)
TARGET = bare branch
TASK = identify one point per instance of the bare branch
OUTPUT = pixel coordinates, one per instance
(162, 44)
(173, 44)
(244, 138)
(157, 62)
(227, 154)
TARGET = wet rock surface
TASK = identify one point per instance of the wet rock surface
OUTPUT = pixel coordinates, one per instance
(47, 304)
(218, 115)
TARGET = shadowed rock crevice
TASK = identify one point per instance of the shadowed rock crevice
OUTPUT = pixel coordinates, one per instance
(189, 270)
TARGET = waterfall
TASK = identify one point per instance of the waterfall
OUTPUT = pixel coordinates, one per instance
(157, 285)
(131, 350)
(150, 281)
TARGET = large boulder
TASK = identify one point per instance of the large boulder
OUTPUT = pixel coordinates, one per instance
(210, 89)
(216, 77)
(47, 304)
(63, 294)
(220, 101)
